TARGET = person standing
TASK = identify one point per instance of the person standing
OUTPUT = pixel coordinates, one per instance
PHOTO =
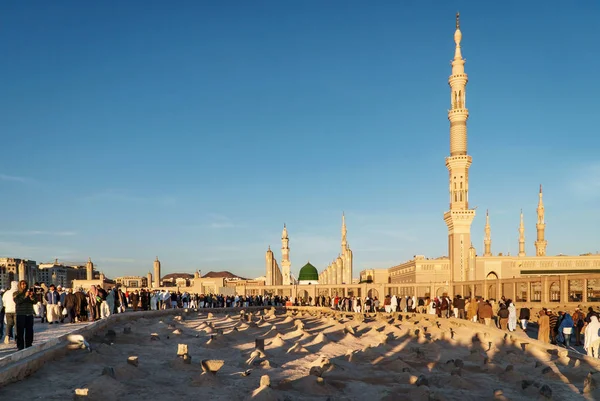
(544, 327)
(1, 314)
(579, 322)
(70, 305)
(524, 316)
(24, 301)
(52, 305)
(10, 311)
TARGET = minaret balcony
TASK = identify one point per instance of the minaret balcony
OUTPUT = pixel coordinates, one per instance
(461, 110)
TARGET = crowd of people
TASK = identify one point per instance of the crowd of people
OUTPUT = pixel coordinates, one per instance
(21, 305)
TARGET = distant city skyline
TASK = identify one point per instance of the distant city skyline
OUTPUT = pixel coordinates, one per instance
(194, 132)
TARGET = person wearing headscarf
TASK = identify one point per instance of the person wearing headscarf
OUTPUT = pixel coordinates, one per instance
(565, 329)
(544, 327)
(591, 336)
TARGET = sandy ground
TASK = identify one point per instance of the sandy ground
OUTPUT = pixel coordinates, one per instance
(310, 357)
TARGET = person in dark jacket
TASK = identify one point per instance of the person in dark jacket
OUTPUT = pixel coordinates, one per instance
(459, 305)
(524, 316)
(70, 305)
(24, 301)
(503, 317)
(81, 306)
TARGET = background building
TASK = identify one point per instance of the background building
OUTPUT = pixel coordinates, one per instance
(132, 281)
(15, 269)
(374, 276)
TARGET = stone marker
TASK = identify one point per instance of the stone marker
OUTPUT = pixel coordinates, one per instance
(212, 365)
(259, 344)
(187, 359)
(133, 360)
(265, 381)
(154, 337)
(182, 349)
(81, 392)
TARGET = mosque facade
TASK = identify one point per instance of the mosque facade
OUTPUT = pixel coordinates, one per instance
(462, 264)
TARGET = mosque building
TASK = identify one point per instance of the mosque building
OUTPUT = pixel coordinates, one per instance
(338, 272)
(463, 263)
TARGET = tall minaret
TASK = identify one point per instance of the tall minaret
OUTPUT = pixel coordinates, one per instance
(540, 244)
(156, 273)
(522, 236)
(89, 270)
(269, 267)
(22, 273)
(487, 240)
(149, 280)
(459, 217)
(286, 265)
(472, 263)
(346, 255)
(344, 232)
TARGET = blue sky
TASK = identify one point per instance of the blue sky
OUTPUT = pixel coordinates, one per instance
(194, 131)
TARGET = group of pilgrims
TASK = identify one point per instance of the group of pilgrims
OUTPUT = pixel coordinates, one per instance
(20, 305)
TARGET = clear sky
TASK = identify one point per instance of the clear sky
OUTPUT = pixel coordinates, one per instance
(193, 130)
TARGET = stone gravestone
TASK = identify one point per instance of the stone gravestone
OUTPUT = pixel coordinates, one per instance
(260, 344)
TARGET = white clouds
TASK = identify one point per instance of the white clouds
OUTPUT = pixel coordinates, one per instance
(112, 195)
(218, 225)
(13, 178)
(38, 232)
(37, 252)
(220, 221)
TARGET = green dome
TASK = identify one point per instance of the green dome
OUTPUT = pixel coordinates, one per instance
(308, 273)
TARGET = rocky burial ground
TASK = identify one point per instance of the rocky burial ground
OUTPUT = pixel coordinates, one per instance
(309, 355)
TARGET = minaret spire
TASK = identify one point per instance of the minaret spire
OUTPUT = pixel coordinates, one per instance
(285, 257)
(487, 241)
(540, 243)
(344, 232)
(459, 217)
(522, 236)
